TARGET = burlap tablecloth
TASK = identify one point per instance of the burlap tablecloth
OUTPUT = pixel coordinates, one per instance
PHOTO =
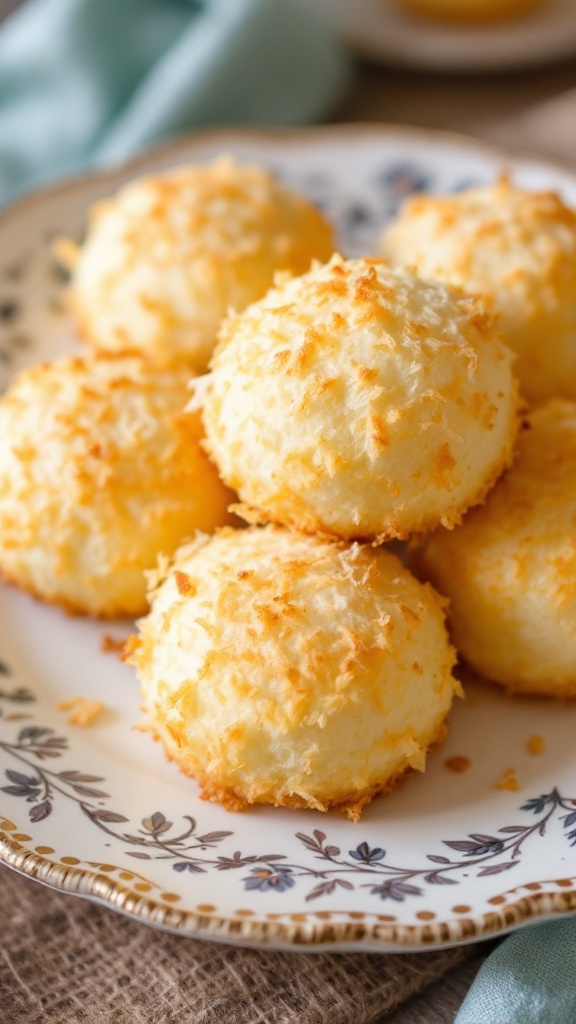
(66, 961)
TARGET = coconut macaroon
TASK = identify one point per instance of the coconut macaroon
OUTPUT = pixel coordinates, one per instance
(280, 668)
(518, 250)
(360, 402)
(510, 569)
(100, 470)
(167, 257)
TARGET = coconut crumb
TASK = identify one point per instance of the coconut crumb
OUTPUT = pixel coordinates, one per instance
(458, 763)
(130, 647)
(82, 710)
(110, 645)
(508, 781)
(144, 726)
(183, 582)
(536, 745)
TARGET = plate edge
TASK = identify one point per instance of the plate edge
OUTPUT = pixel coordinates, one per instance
(282, 136)
(298, 934)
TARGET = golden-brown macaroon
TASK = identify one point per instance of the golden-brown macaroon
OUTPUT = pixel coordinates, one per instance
(100, 470)
(517, 249)
(360, 402)
(284, 669)
(470, 10)
(166, 258)
(510, 569)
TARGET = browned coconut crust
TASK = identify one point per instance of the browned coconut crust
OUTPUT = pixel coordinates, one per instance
(350, 805)
(79, 609)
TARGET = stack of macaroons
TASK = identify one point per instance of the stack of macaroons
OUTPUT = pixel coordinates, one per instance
(298, 664)
(509, 570)
(101, 467)
(295, 661)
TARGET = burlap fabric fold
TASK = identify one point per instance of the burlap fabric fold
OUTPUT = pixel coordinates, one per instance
(67, 961)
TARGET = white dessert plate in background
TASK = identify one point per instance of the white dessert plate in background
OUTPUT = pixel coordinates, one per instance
(99, 812)
(381, 29)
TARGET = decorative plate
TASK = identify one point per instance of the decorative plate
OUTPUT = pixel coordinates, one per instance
(98, 811)
(381, 29)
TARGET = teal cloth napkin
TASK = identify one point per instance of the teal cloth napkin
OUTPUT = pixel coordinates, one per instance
(530, 978)
(91, 82)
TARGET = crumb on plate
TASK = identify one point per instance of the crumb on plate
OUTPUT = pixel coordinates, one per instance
(536, 745)
(130, 647)
(457, 763)
(111, 645)
(508, 781)
(82, 710)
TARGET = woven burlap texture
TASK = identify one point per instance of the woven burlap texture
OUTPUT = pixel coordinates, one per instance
(64, 960)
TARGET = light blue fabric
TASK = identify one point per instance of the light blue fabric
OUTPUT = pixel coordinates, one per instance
(529, 979)
(90, 82)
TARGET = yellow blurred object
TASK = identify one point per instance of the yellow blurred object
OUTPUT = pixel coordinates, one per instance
(470, 10)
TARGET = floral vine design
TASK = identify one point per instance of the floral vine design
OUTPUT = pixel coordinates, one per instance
(37, 744)
(20, 695)
(490, 854)
(363, 867)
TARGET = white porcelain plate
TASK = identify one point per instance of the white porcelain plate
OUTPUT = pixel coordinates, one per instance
(381, 29)
(100, 812)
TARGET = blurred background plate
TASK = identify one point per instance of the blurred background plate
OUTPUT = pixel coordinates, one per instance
(377, 28)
